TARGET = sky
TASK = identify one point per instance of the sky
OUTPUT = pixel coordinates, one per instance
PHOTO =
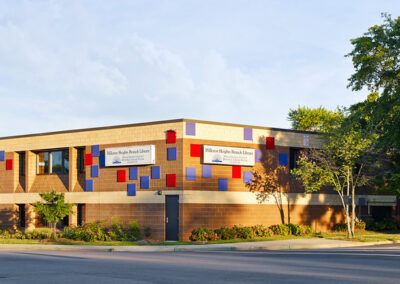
(77, 64)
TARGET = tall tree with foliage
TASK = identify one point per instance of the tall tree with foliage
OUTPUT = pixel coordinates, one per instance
(317, 119)
(341, 163)
(376, 60)
(53, 209)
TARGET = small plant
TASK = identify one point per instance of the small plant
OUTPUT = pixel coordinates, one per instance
(281, 229)
(203, 234)
(341, 227)
(242, 232)
(295, 229)
(225, 233)
(307, 230)
(261, 231)
(134, 229)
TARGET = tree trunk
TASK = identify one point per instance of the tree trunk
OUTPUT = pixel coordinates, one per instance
(53, 226)
(348, 221)
(350, 233)
(353, 210)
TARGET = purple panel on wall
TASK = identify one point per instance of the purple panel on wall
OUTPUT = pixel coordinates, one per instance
(248, 177)
(222, 184)
(171, 154)
(190, 128)
(206, 171)
(2, 156)
(156, 172)
(248, 133)
(190, 173)
(95, 150)
(133, 173)
(258, 155)
(95, 171)
(89, 185)
(131, 189)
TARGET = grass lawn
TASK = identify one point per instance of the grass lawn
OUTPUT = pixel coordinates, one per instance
(367, 236)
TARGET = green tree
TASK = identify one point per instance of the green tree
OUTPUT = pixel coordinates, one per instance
(53, 209)
(341, 164)
(376, 60)
(317, 119)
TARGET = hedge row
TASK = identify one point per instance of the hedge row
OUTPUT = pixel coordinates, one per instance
(243, 232)
(94, 231)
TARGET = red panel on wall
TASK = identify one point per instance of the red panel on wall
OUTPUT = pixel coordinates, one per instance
(236, 172)
(88, 159)
(195, 150)
(9, 165)
(121, 176)
(270, 142)
(171, 180)
(171, 136)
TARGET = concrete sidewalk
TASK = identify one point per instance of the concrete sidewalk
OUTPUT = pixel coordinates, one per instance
(315, 243)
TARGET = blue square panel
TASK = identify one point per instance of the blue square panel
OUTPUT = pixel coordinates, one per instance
(131, 189)
(248, 177)
(190, 173)
(283, 159)
(133, 173)
(145, 182)
(89, 185)
(222, 184)
(2, 156)
(95, 150)
(95, 171)
(156, 172)
(258, 155)
(171, 154)
(102, 160)
(206, 171)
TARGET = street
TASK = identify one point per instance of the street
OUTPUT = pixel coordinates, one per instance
(378, 264)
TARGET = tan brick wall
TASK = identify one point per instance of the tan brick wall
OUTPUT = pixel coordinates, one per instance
(145, 214)
(8, 216)
(214, 216)
(107, 180)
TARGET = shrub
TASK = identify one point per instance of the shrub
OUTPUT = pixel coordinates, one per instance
(295, 229)
(341, 227)
(360, 225)
(203, 234)
(307, 230)
(261, 231)
(281, 229)
(242, 232)
(225, 233)
(134, 229)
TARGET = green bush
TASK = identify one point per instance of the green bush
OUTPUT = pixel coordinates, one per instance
(242, 232)
(385, 225)
(360, 225)
(261, 231)
(225, 233)
(341, 227)
(134, 229)
(307, 230)
(203, 234)
(281, 229)
(295, 229)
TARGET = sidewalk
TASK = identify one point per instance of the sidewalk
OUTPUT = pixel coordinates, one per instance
(316, 243)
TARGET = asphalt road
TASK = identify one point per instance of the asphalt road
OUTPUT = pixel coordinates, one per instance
(360, 265)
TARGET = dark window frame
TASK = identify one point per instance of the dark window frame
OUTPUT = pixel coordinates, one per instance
(48, 170)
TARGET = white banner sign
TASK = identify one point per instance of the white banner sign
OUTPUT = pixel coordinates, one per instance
(129, 156)
(228, 155)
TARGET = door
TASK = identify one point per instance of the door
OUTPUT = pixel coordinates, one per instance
(172, 217)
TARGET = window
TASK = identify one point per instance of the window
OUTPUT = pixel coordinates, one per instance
(53, 162)
(294, 157)
(81, 160)
(21, 215)
(21, 164)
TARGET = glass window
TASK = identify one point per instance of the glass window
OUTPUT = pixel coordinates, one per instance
(81, 160)
(22, 164)
(56, 162)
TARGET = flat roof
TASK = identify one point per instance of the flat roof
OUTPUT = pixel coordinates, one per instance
(152, 123)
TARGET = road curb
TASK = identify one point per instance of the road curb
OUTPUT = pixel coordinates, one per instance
(193, 248)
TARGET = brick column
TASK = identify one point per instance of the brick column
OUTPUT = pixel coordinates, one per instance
(30, 169)
(73, 170)
(73, 217)
(30, 217)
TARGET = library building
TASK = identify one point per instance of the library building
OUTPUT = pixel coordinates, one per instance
(173, 176)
